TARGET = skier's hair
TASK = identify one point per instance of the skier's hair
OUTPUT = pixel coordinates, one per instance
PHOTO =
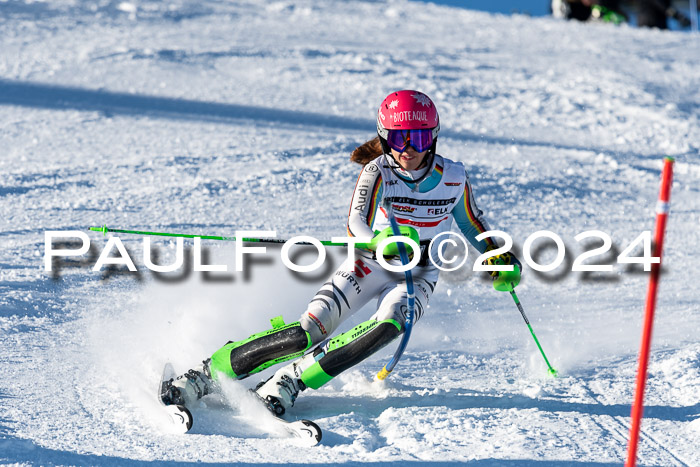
(367, 152)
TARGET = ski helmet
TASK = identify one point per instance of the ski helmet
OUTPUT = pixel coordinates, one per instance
(407, 110)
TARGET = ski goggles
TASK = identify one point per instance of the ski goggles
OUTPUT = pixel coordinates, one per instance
(400, 140)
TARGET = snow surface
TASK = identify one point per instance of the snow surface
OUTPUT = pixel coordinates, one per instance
(221, 116)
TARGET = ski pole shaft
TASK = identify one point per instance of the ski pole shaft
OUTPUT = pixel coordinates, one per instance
(104, 229)
(551, 370)
(410, 300)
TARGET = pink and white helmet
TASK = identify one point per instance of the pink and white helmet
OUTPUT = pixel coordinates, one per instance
(407, 110)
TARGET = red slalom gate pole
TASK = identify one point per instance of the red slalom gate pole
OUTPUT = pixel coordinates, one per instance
(661, 216)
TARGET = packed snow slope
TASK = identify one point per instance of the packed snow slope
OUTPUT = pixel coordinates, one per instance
(213, 117)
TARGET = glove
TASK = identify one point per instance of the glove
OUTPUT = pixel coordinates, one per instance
(392, 249)
(504, 281)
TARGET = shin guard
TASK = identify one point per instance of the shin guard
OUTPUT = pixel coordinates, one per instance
(348, 350)
(259, 351)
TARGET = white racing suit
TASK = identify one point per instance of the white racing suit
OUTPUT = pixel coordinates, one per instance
(443, 194)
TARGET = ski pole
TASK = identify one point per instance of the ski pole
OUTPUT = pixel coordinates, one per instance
(551, 370)
(410, 299)
(104, 229)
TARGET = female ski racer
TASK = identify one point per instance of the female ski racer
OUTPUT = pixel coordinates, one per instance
(426, 191)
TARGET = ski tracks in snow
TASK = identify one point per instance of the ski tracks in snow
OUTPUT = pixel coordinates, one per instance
(618, 427)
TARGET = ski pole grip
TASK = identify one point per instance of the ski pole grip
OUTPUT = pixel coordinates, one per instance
(102, 229)
(383, 373)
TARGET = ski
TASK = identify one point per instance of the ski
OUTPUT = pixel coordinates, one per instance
(179, 416)
(306, 432)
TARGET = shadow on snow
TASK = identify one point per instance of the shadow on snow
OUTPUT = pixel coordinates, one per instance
(374, 407)
(21, 451)
(110, 103)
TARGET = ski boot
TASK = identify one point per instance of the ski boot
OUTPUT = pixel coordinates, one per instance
(281, 390)
(188, 388)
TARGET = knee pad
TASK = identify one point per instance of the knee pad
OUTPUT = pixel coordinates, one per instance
(317, 322)
(349, 349)
(322, 315)
(242, 358)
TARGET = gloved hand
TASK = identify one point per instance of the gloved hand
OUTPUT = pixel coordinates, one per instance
(504, 281)
(392, 249)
